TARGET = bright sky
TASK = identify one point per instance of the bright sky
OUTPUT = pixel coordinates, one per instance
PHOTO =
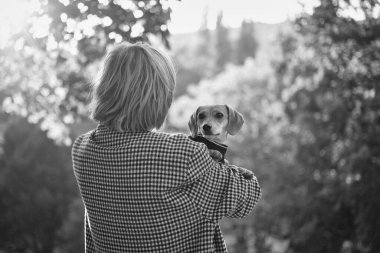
(187, 14)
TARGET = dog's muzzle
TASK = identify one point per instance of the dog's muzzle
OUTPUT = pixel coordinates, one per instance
(206, 128)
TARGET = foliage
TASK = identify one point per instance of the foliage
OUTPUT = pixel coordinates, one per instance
(223, 46)
(56, 55)
(204, 35)
(330, 88)
(37, 189)
(92, 25)
(246, 45)
(204, 54)
(311, 135)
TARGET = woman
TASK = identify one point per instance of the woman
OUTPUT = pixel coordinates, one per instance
(146, 191)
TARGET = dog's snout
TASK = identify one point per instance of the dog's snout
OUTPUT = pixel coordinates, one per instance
(207, 127)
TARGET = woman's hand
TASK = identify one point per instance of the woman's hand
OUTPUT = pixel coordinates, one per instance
(215, 155)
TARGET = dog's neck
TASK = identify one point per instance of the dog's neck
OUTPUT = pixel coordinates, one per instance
(222, 138)
(222, 148)
(217, 140)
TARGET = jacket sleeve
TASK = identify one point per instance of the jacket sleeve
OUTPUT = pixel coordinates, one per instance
(219, 190)
(89, 243)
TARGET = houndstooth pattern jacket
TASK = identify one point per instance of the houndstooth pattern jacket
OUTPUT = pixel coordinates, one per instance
(155, 192)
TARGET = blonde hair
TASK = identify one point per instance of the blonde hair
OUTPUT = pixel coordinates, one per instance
(135, 88)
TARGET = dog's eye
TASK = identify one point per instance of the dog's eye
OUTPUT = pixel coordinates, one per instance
(201, 116)
(219, 115)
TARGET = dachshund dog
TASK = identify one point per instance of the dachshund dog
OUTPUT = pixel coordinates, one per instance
(215, 122)
(211, 125)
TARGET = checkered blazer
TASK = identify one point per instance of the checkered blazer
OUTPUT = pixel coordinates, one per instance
(155, 192)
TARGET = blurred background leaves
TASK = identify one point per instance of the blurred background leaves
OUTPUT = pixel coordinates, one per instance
(308, 89)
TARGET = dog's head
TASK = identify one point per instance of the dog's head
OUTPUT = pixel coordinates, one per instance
(215, 122)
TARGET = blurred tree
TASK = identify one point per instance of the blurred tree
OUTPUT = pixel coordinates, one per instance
(223, 47)
(57, 54)
(204, 35)
(205, 64)
(330, 88)
(70, 234)
(194, 56)
(95, 24)
(37, 189)
(246, 45)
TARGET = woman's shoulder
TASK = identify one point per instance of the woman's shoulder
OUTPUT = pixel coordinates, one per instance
(174, 143)
(178, 140)
(82, 139)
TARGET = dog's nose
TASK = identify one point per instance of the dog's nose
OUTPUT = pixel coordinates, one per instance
(207, 127)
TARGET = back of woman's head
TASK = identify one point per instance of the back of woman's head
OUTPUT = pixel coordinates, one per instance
(135, 89)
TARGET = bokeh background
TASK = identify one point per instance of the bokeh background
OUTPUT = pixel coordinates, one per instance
(305, 75)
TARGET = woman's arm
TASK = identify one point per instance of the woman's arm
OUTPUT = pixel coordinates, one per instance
(220, 190)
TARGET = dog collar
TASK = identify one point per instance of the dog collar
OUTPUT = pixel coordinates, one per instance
(222, 148)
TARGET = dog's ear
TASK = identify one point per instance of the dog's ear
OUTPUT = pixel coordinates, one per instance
(235, 121)
(193, 123)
